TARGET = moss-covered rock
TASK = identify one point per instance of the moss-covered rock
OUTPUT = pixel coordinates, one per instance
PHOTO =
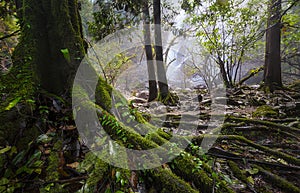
(265, 111)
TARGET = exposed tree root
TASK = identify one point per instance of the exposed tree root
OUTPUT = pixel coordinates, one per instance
(278, 181)
(278, 154)
(265, 123)
(230, 156)
(232, 128)
(166, 181)
(238, 174)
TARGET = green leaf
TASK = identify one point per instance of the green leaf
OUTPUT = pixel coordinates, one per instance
(253, 171)
(108, 190)
(250, 180)
(6, 149)
(44, 138)
(19, 157)
(34, 157)
(227, 179)
(118, 174)
(66, 54)
(13, 103)
(3, 181)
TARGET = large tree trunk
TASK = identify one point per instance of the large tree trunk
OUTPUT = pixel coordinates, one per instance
(272, 70)
(149, 54)
(160, 68)
(51, 42)
(50, 49)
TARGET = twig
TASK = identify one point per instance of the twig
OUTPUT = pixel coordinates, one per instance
(9, 35)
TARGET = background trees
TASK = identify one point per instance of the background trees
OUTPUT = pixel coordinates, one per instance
(227, 31)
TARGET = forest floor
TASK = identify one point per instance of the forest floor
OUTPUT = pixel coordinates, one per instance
(258, 149)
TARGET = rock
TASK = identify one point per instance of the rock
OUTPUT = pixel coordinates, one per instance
(221, 100)
(137, 100)
(154, 104)
(160, 110)
(206, 102)
(143, 94)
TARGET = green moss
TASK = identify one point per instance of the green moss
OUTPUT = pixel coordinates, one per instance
(53, 162)
(103, 95)
(171, 182)
(237, 172)
(265, 111)
(163, 134)
(186, 167)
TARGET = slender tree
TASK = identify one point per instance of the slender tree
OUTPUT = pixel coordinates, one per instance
(160, 69)
(149, 53)
(272, 70)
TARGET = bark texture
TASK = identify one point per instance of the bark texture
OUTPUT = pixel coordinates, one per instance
(149, 54)
(272, 73)
(160, 68)
(51, 43)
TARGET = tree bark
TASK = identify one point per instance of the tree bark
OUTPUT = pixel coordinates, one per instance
(51, 43)
(149, 55)
(160, 68)
(227, 82)
(272, 69)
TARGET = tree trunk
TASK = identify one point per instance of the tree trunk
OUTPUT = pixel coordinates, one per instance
(49, 51)
(227, 82)
(272, 70)
(160, 68)
(51, 43)
(149, 54)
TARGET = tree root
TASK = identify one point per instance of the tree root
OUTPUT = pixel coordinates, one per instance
(278, 181)
(265, 123)
(278, 154)
(230, 156)
(238, 174)
(231, 128)
(183, 166)
(167, 181)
